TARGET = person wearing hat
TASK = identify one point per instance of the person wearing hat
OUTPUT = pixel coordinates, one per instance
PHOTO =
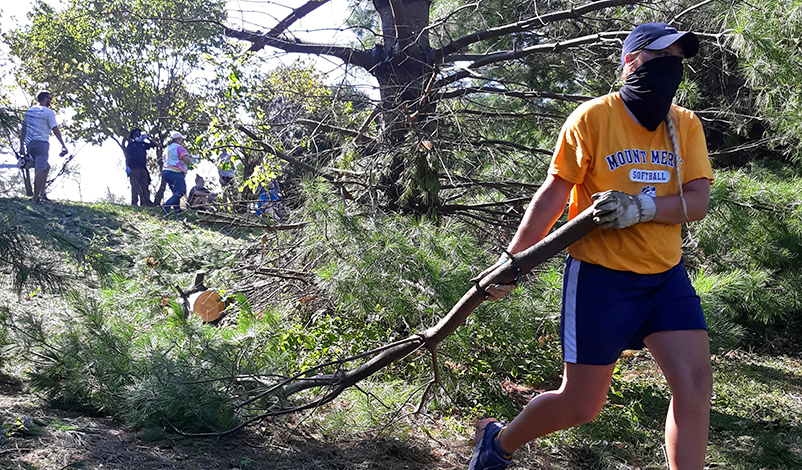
(174, 172)
(136, 166)
(643, 161)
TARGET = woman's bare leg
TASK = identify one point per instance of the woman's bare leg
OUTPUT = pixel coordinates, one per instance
(684, 358)
(578, 400)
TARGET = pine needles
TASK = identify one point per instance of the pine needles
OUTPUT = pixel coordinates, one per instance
(29, 266)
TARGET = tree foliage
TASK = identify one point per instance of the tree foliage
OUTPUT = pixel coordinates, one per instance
(767, 38)
(120, 64)
(463, 88)
(270, 118)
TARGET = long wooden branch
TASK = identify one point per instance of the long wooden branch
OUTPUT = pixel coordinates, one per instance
(385, 355)
(469, 183)
(490, 112)
(321, 126)
(278, 39)
(526, 24)
(557, 241)
(217, 218)
(259, 40)
(294, 161)
(402, 32)
(552, 48)
(514, 145)
(554, 243)
(463, 207)
(527, 95)
(295, 15)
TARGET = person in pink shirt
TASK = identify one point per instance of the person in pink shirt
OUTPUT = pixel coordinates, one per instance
(174, 172)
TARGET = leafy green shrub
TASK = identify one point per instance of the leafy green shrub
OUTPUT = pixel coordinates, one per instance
(714, 291)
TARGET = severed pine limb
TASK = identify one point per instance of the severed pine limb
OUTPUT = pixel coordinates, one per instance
(383, 356)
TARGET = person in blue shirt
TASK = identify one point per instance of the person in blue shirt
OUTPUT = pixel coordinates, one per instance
(136, 165)
(269, 200)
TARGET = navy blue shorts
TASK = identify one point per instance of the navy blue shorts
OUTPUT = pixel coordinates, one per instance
(605, 311)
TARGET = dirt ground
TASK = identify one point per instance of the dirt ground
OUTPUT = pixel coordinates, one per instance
(39, 436)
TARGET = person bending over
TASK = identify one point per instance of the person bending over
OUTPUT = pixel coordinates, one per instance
(199, 197)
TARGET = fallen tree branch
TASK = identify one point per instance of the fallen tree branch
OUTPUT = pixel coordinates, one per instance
(285, 274)
(216, 218)
(449, 208)
(554, 243)
(513, 145)
(385, 355)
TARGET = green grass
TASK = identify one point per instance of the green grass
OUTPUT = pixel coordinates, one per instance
(100, 318)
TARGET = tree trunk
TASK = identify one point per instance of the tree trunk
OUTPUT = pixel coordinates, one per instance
(404, 68)
(248, 195)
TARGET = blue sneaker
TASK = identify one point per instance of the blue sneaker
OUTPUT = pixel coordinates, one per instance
(486, 456)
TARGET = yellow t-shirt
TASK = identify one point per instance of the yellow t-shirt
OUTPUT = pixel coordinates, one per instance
(600, 148)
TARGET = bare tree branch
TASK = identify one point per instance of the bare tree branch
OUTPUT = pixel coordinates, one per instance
(553, 48)
(402, 32)
(328, 128)
(491, 184)
(526, 95)
(296, 15)
(688, 10)
(525, 25)
(365, 59)
(294, 161)
(348, 55)
(513, 145)
(385, 355)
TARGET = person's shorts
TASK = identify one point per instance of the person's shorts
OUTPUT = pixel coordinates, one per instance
(39, 150)
(605, 311)
(226, 180)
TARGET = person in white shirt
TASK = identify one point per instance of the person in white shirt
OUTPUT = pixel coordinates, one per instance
(37, 124)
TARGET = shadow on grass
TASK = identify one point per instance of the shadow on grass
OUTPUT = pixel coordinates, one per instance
(755, 444)
(81, 220)
(77, 440)
(772, 376)
(749, 427)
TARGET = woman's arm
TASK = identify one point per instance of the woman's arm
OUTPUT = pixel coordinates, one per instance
(546, 207)
(697, 198)
(185, 155)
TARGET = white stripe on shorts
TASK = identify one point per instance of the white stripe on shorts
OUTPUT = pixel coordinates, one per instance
(569, 320)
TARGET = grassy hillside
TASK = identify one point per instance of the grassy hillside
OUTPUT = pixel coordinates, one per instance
(91, 322)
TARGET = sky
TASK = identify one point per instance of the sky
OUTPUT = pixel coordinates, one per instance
(99, 171)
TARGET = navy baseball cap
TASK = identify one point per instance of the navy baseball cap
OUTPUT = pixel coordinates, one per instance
(656, 36)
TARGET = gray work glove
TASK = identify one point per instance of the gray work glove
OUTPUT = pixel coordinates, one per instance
(614, 209)
(495, 291)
